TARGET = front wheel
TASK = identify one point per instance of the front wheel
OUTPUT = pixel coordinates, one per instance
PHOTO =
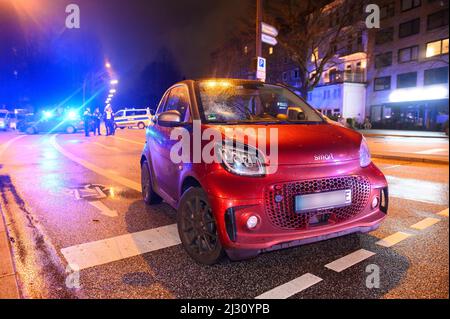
(141, 125)
(30, 130)
(197, 227)
(70, 129)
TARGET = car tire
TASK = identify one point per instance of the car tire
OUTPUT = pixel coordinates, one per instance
(148, 194)
(30, 130)
(197, 227)
(141, 125)
(70, 129)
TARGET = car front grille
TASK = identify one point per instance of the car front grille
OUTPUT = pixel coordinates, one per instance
(280, 201)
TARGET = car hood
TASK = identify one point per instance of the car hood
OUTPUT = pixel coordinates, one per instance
(303, 143)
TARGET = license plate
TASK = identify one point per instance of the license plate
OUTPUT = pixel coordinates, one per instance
(323, 201)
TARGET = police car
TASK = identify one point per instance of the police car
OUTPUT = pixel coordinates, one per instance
(132, 118)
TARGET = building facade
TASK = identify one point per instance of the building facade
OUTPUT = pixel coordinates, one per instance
(407, 84)
(396, 75)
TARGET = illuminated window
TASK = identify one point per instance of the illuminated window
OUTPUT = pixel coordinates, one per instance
(437, 48)
(246, 49)
(271, 50)
(315, 55)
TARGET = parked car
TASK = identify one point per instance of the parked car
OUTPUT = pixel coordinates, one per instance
(325, 184)
(16, 117)
(47, 122)
(132, 118)
(4, 120)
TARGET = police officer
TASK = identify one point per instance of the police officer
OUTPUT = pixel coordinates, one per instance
(87, 121)
(109, 120)
(97, 117)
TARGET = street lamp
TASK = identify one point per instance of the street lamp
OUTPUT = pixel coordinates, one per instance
(108, 65)
(112, 91)
(114, 82)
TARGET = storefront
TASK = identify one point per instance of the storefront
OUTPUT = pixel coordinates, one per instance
(431, 115)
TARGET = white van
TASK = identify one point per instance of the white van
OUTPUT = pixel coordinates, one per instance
(132, 118)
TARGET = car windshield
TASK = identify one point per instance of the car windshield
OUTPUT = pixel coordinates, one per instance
(230, 102)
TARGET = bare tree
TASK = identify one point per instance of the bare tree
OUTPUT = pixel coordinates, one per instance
(311, 32)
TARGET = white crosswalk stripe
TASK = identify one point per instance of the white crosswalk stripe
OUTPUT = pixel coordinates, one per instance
(291, 288)
(352, 259)
(120, 247)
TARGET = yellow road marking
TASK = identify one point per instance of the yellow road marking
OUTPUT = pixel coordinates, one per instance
(112, 148)
(443, 213)
(129, 141)
(425, 223)
(393, 239)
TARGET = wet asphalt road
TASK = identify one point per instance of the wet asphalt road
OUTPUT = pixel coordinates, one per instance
(43, 177)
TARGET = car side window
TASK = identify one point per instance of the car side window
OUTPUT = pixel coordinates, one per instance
(178, 100)
(119, 114)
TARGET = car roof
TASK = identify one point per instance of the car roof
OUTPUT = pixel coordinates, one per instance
(221, 79)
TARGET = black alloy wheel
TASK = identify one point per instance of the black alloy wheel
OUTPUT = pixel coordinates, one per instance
(197, 227)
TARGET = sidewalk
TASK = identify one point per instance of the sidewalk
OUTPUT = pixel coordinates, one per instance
(8, 282)
(400, 133)
(412, 157)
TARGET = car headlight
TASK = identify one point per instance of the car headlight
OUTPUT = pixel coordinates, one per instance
(242, 159)
(364, 154)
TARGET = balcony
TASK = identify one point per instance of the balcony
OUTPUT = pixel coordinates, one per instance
(346, 76)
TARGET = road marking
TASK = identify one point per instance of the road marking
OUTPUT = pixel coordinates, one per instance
(291, 288)
(111, 148)
(393, 239)
(130, 141)
(393, 166)
(427, 222)
(104, 210)
(432, 151)
(117, 248)
(101, 171)
(443, 213)
(417, 190)
(347, 261)
(4, 146)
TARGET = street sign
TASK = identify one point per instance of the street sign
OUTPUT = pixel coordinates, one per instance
(269, 30)
(261, 69)
(268, 39)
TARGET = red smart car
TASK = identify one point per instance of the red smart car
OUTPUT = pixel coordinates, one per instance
(250, 167)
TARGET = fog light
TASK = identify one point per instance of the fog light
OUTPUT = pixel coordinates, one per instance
(252, 222)
(375, 202)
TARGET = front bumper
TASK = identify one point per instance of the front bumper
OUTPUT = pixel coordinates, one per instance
(232, 212)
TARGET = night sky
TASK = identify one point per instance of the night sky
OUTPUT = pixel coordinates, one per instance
(129, 33)
(132, 31)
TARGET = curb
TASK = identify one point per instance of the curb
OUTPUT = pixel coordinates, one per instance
(392, 135)
(412, 159)
(8, 276)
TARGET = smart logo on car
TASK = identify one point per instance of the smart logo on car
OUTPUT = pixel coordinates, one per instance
(324, 157)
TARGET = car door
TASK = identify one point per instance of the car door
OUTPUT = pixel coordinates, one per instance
(167, 172)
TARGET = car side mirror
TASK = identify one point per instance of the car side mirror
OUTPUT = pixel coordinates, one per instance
(169, 118)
